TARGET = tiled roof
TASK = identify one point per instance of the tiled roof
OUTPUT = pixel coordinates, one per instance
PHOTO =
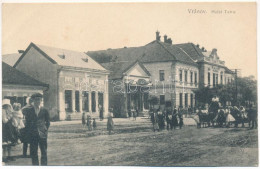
(13, 76)
(71, 58)
(11, 59)
(117, 60)
(193, 51)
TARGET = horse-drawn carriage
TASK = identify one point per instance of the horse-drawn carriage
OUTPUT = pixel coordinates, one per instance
(218, 116)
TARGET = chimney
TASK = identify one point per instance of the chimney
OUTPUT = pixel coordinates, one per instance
(20, 51)
(165, 38)
(158, 37)
(169, 41)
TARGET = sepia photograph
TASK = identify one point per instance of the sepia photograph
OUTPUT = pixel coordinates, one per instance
(141, 84)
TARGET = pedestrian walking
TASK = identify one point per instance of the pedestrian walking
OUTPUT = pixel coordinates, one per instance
(154, 118)
(94, 124)
(37, 125)
(180, 115)
(134, 114)
(174, 118)
(89, 123)
(110, 122)
(169, 118)
(160, 119)
(101, 111)
(252, 115)
(83, 119)
(24, 136)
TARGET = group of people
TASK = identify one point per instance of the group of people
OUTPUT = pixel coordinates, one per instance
(28, 125)
(91, 123)
(225, 116)
(172, 118)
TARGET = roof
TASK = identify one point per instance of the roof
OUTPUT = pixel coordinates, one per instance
(117, 60)
(118, 68)
(71, 58)
(13, 76)
(193, 51)
(227, 70)
(156, 51)
(11, 59)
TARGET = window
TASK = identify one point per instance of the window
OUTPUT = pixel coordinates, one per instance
(191, 100)
(180, 75)
(221, 78)
(195, 78)
(161, 75)
(180, 99)
(209, 78)
(77, 101)
(186, 75)
(76, 79)
(186, 99)
(214, 80)
(68, 100)
(146, 100)
(85, 101)
(93, 101)
(191, 77)
(162, 99)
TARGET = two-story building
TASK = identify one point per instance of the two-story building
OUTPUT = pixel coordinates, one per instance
(76, 82)
(176, 70)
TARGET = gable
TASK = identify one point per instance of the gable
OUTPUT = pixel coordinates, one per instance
(136, 70)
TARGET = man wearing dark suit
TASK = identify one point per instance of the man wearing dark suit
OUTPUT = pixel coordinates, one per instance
(37, 125)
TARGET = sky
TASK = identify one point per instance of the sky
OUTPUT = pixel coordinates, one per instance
(98, 26)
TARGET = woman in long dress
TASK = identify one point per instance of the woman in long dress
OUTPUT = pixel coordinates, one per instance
(229, 118)
(8, 130)
(110, 122)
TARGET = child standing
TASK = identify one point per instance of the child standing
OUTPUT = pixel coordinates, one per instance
(89, 123)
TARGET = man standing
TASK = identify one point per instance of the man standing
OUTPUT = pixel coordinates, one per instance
(37, 125)
(23, 131)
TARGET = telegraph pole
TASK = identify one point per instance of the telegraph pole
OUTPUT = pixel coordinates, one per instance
(236, 90)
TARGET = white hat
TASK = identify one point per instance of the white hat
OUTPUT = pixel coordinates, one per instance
(6, 101)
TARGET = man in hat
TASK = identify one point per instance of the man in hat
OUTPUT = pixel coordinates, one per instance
(37, 125)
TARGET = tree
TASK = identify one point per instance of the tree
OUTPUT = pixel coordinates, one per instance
(246, 92)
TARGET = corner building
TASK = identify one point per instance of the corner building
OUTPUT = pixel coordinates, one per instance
(175, 70)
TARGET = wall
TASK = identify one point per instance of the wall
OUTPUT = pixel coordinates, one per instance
(83, 81)
(40, 68)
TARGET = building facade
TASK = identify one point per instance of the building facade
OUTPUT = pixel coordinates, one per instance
(76, 82)
(176, 70)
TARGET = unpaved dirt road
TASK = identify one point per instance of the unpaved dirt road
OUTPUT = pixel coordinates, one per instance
(133, 143)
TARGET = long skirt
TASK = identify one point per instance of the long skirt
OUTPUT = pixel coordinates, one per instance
(10, 133)
(230, 118)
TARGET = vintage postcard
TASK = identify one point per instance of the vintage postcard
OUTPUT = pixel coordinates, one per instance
(129, 84)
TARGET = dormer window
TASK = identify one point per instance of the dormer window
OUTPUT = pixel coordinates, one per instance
(62, 56)
(85, 59)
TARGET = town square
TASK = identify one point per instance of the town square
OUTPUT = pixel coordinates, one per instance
(163, 88)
